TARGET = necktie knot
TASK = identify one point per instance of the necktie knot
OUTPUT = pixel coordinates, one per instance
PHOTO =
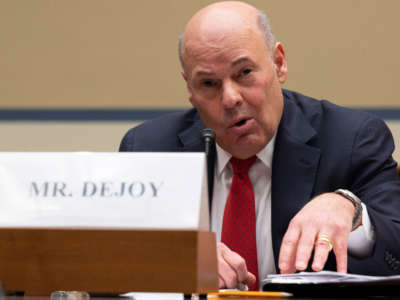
(242, 166)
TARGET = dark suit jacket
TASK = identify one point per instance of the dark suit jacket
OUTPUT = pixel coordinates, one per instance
(319, 148)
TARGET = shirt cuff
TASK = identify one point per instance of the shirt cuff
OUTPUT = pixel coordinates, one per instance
(362, 240)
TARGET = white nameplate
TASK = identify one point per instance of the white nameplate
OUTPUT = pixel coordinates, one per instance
(118, 190)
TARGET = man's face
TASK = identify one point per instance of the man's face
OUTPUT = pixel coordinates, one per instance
(235, 85)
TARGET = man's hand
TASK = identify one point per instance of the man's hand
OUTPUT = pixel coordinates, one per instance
(328, 214)
(232, 268)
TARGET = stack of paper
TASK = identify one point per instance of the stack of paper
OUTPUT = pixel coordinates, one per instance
(333, 284)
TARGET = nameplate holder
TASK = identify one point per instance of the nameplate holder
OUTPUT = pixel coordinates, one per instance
(105, 223)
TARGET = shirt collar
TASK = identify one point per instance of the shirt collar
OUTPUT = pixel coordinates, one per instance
(265, 156)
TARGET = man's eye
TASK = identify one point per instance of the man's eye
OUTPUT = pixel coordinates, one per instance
(246, 71)
(208, 83)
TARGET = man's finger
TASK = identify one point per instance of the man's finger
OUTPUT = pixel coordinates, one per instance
(232, 267)
(251, 279)
(287, 253)
(227, 275)
(304, 249)
(221, 282)
(237, 264)
(323, 245)
(340, 249)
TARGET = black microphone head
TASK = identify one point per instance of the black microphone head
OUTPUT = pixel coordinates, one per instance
(208, 137)
(208, 133)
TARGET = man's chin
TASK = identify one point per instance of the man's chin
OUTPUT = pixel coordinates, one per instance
(246, 147)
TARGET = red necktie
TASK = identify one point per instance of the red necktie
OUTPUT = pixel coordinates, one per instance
(239, 223)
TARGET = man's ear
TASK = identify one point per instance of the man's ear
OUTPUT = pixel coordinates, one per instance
(189, 90)
(280, 62)
(184, 75)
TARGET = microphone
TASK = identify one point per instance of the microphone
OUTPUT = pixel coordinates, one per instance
(208, 136)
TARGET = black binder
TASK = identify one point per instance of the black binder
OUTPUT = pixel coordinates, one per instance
(336, 290)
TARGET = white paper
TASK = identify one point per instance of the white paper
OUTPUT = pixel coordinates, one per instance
(325, 277)
(154, 296)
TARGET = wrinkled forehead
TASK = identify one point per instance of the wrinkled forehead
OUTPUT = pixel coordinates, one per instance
(222, 48)
(214, 42)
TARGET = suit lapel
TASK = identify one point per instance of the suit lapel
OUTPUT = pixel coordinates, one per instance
(294, 168)
(190, 137)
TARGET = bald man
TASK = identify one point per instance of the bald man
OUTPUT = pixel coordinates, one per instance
(322, 176)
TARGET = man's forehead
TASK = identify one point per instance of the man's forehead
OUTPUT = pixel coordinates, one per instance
(226, 49)
(220, 23)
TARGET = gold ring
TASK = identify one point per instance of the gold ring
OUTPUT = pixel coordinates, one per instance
(326, 239)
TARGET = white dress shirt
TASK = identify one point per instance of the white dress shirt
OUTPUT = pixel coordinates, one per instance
(360, 242)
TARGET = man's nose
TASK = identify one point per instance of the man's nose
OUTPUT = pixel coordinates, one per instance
(231, 96)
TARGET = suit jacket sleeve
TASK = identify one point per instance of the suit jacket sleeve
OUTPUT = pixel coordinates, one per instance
(375, 180)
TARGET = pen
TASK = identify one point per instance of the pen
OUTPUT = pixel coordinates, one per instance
(250, 294)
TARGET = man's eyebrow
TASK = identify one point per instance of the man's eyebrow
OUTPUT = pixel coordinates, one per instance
(203, 73)
(241, 60)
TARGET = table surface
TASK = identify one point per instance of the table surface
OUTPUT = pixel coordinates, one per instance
(161, 296)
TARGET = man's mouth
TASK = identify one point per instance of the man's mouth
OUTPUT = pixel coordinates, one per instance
(241, 126)
(240, 122)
